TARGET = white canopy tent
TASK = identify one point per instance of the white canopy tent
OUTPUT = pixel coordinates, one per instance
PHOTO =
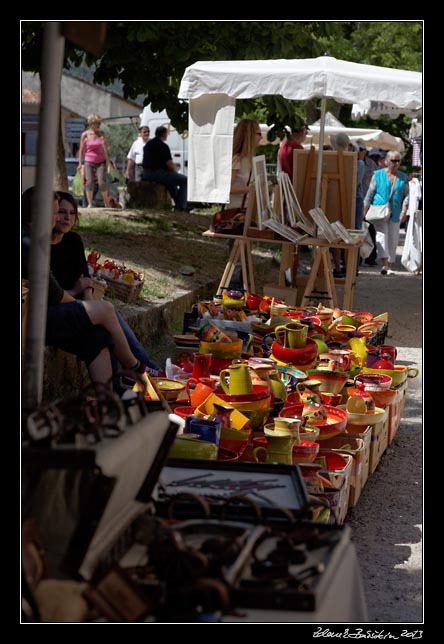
(212, 88)
(376, 109)
(372, 138)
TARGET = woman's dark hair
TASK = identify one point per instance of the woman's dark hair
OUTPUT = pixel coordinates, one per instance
(67, 196)
(28, 198)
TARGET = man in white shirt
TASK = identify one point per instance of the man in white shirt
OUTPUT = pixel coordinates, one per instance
(134, 169)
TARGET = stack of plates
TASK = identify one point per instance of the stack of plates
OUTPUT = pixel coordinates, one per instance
(187, 343)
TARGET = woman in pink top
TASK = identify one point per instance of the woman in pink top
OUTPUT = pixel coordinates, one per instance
(93, 155)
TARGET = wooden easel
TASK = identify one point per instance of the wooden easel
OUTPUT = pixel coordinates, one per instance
(321, 253)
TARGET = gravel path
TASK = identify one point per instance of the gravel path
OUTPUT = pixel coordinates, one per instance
(387, 520)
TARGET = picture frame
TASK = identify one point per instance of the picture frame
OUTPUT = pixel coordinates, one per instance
(262, 195)
(273, 487)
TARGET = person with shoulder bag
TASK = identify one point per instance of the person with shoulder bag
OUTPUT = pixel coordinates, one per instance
(388, 190)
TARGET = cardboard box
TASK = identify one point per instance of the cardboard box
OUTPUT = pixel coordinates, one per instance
(379, 441)
(354, 447)
(365, 434)
(396, 409)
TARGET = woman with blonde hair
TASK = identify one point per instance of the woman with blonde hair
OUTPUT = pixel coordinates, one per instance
(246, 139)
(93, 155)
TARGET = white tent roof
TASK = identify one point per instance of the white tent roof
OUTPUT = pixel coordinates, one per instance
(303, 79)
(214, 86)
(376, 109)
(372, 138)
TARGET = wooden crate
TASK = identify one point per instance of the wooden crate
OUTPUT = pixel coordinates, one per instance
(354, 447)
(338, 500)
(396, 409)
(365, 434)
(379, 441)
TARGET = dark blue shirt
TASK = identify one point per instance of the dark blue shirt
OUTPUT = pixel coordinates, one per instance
(156, 153)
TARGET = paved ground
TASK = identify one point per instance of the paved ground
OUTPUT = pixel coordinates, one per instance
(387, 521)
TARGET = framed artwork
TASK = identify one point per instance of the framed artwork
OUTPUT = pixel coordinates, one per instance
(269, 485)
(262, 195)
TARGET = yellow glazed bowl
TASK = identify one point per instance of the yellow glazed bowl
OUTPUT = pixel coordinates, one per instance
(398, 375)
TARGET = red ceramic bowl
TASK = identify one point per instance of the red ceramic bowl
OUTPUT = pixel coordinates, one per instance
(254, 300)
(305, 452)
(303, 356)
(184, 411)
(224, 454)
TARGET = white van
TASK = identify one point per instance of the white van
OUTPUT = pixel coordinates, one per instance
(178, 143)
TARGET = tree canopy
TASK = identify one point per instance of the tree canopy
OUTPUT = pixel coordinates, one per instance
(149, 58)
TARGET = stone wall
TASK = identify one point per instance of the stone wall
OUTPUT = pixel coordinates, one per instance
(65, 375)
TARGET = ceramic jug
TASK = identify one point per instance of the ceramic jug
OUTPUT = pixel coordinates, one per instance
(279, 447)
(201, 365)
(294, 335)
(361, 402)
(239, 380)
(314, 410)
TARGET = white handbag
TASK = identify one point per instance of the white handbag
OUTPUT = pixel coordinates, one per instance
(378, 213)
(383, 212)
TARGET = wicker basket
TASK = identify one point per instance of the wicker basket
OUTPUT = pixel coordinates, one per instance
(99, 289)
(123, 290)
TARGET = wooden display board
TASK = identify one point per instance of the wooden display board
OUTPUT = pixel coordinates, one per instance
(334, 179)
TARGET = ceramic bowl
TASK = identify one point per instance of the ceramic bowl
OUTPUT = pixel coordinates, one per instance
(305, 452)
(223, 350)
(382, 398)
(398, 375)
(254, 301)
(329, 398)
(335, 423)
(374, 381)
(184, 411)
(363, 419)
(259, 393)
(190, 447)
(225, 454)
(333, 381)
(309, 433)
(252, 405)
(301, 356)
(168, 387)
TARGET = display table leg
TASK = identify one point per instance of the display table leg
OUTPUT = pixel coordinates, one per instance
(229, 268)
(350, 278)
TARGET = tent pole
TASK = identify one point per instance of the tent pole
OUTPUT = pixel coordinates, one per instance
(320, 153)
(52, 61)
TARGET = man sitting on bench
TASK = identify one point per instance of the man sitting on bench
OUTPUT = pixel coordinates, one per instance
(158, 166)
